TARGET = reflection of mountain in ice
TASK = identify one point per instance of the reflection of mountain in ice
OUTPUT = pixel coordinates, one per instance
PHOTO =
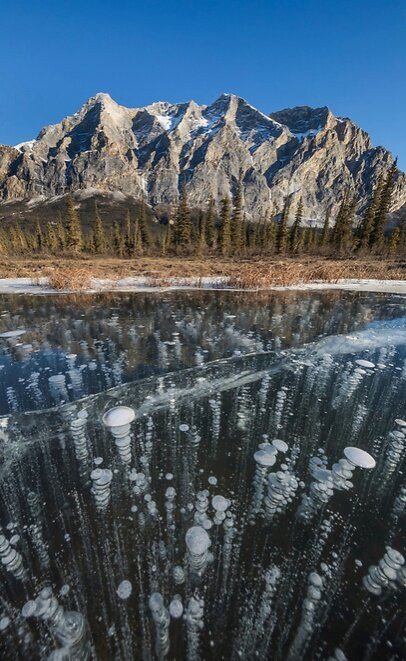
(249, 507)
(72, 348)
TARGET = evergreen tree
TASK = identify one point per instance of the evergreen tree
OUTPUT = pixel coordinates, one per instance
(342, 233)
(74, 237)
(39, 239)
(183, 224)
(271, 233)
(128, 235)
(201, 245)
(165, 240)
(99, 236)
(138, 243)
(237, 221)
(18, 240)
(211, 229)
(88, 243)
(325, 231)
(118, 241)
(368, 220)
(377, 239)
(394, 241)
(282, 235)
(51, 239)
(295, 231)
(60, 234)
(146, 236)
(402, 238)
(225, 230)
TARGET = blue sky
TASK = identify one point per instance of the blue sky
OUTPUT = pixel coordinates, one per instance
(349, 55)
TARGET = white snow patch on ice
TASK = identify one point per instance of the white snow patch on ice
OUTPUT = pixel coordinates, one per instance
(143, 283)
(368, 340)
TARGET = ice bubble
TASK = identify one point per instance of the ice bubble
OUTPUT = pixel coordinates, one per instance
(169, 476)
(4, 622)
(400, 422)
(183, 427)
(280, 445)
(124, 589)
(359, 457)
(220, 503)
(264, 458)
(364, 363)
(119, 416)
(212, 480)
(197, 540)
(176, 608)
(29, 608)
(97, 461)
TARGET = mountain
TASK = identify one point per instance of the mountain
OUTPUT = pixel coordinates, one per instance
(150, 153)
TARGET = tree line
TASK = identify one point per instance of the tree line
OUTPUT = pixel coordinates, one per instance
(222, 231)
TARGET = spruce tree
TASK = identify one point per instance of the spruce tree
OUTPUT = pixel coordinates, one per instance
(377, 239)
(282, 235)
(368, 220)
(51, 239)
(128, 235)
(99, 236)
(325, 231)
(342, 236)
(237, 220)
(295, 230)
(201, 245)
(39, 239)
(146, 236)
(402, 238)
(394, 241)
(118, 241)
(211, 229)
(74, 237)
(225, 229)
(271, 233)
(183, 224)
(138, 242)
(60, 234)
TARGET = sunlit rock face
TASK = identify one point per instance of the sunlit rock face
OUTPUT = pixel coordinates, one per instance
(191, 515)
(152, 152)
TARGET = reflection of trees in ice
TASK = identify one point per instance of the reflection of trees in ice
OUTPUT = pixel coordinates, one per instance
(66, 349)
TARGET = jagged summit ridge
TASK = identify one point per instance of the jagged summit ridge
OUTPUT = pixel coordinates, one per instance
(154, 150)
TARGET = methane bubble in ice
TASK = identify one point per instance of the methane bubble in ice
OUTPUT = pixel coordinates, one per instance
(359, 457)
(124, 589)
(219, 504)
(364, 363)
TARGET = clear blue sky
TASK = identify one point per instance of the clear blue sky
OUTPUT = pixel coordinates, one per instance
(347, 54)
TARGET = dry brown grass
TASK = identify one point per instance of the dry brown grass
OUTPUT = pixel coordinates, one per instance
(71, 278)
(76, 275)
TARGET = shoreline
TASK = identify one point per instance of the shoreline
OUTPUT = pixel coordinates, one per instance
(41, 286)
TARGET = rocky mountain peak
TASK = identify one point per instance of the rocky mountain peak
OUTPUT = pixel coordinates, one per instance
(152, 151)
(304, 119)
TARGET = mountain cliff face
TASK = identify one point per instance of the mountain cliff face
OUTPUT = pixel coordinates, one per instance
(152, 152)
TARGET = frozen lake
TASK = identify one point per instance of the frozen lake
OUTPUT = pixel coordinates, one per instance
(203, 475)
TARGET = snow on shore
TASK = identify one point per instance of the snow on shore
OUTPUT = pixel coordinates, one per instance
(140, 283)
